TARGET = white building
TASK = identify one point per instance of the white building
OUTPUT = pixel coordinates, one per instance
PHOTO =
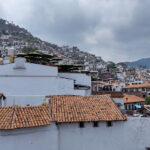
(121, 75)
(82, 81)
(40, 132)
(25, 83)
(118, 86)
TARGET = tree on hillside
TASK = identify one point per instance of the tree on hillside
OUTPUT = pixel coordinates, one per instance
(111, 67)
(147, 100)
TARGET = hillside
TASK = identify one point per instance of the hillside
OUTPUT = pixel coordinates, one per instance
(14, 37)
(145, 62)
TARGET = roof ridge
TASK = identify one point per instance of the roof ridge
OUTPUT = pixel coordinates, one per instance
(13, 115)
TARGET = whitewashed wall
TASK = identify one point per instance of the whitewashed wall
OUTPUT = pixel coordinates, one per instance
(32, 90)
(35, 85)
(31, 69)
(119, 100)
(32, 84)
(42, 138)
(80, 78)
(133, 134)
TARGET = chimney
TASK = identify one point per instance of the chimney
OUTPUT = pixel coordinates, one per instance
(20, 63)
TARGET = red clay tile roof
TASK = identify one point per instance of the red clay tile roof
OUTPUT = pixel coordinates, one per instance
(12, 117)
(143, 85)
(132, 99)
(84, 108)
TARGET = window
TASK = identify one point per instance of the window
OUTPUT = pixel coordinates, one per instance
(95, 124)
(81, 124)
(109, 124)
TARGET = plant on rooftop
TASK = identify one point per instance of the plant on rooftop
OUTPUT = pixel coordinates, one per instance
(44, 104)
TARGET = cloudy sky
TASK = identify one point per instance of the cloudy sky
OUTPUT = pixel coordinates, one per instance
(117, 30)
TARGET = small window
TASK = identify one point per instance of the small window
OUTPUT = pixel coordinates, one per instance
(109, 124)
(95, 124)
(81, 124)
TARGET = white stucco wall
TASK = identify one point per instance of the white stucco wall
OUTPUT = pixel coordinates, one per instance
(31, 70)
(35, 85)
(32, 90)
(133, 134)
(128, 135)
(42, 138)
(119, 100)
(82, 92)
(80, 78)
(31, 85)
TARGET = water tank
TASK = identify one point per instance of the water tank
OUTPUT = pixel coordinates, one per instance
(20, 63)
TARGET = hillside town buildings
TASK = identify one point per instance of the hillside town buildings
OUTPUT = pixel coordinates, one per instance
(70, 100)
(47, 109)
(141, 90)
(133, 102)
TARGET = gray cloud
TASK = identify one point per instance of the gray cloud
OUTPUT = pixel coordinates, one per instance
(116, 30)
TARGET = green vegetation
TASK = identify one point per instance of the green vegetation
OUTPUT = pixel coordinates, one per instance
(29, 49)
(37, 57)
(111, 67)
(122, 64)
(69, 67)
(147, 100)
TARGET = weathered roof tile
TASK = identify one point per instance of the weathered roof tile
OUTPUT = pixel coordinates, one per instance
(84, 108)
(13, 117)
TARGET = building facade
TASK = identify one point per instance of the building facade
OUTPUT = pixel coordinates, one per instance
(26, 83)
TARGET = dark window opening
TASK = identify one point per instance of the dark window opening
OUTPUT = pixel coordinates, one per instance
(95, 124)
(109, 124)
(81, 124)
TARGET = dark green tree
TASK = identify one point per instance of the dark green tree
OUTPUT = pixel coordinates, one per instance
(147, 100)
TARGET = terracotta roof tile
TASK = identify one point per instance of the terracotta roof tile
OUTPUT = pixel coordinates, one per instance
(84, 108)
(132, 99)
(13, 117)
(143, 85)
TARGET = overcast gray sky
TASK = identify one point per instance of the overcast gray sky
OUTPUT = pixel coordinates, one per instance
(117, 30)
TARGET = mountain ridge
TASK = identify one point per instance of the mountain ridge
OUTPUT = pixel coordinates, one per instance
(144, 62)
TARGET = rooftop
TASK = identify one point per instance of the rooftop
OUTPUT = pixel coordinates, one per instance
(132, 99)
(142, 85)
(84, 108)
(61, 109)
(12, 117)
